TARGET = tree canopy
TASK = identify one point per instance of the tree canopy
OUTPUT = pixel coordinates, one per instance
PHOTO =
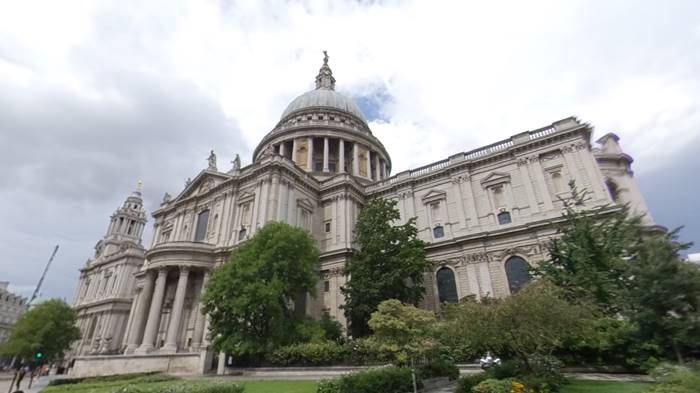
(629, 271)
(250, 299)
(533, 322)
(589, 258)
(403, 331)
(49, 325)
(389, 264)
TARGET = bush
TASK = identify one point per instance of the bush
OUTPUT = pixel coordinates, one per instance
(466, 383)
(309, 354)
(507, 369)
(494, 386)
(439, 368)
(363, 351)
(675, 379)
(221, 387)
(332, 329)
(328, 386)
(384, 380)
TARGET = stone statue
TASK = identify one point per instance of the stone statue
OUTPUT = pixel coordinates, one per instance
(212, 160)
(325, 57)
(187, 182)
(166, 198)
(236, 163)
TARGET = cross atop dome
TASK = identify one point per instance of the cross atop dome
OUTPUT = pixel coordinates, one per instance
(325, 79)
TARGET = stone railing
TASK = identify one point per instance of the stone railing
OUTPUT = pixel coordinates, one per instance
(474, 154)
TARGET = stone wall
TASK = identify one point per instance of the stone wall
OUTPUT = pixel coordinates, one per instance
(90, 366)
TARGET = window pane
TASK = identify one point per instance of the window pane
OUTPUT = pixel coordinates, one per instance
(447, 287)
(202, 221)
(438, 231)
(503, 218)
(516, 271)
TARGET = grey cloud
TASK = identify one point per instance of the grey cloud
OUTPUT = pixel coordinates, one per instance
(671, 193)
(68, 160)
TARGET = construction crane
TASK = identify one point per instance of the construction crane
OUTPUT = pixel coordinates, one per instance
(41, 280)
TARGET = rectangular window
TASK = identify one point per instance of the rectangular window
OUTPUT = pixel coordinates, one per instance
(202, 222)
(503, 218)
(328, 227)
(326, 286)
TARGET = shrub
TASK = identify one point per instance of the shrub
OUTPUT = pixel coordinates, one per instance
(384, 380)
(675, 379)
(332, 329)
(466, 383)
(362, 351)
(494, 386)
(313, 353)
(439, 368)
(507, 369)
(329, 386)
(219, 388)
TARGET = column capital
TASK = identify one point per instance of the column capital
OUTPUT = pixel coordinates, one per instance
(184, 269)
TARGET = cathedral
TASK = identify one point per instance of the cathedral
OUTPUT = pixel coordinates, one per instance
(485, 215)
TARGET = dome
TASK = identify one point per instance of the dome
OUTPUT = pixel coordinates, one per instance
(324, 98)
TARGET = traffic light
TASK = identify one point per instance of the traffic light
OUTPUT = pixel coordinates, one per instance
(39, 353)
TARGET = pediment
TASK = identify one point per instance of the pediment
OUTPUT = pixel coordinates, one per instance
(434, 195)
(245, 197)
(202, 183)
(495, 178)
(305, 203)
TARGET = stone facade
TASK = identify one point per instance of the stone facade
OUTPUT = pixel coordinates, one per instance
(11, 306)
(485, 213)
(104, 294)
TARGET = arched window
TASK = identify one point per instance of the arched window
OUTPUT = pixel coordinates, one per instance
(516, 271)
(438, 231)
(202, 221)
(503, 218)
(447, 286)
(241, 234)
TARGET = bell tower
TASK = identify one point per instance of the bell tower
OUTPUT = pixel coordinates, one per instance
(106, 287)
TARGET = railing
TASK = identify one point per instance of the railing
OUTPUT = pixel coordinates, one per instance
(540, 132)
(470, 155)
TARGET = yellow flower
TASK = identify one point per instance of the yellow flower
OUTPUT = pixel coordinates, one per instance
(517, 387)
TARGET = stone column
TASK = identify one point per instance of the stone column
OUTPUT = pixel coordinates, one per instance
(176, 313)
(376, 166)
(201, 318)
(294, 151)
(369, 164)
(144, 299)
(341, 156)
(384, 169)
(325, 154)
(355, 159)
(541, 182)
(310, 156)
(282, 149)
(149, 333)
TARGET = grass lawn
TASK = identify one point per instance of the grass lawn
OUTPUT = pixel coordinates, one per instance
(250, 386)
(579, 386)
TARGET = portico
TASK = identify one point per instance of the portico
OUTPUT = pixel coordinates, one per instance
(169, 296)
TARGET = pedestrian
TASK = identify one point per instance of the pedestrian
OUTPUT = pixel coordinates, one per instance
(20, 375)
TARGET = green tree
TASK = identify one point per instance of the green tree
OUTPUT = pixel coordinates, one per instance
(49, 325)
(532, 323)
(590, 257)
(250, 299)
(663, 295)
(402, 331)
(389, 264)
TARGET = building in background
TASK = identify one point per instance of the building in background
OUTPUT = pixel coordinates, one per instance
(11, 306)
(486, 214)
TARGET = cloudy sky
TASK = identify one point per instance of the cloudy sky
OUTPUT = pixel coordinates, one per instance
(95, 95)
